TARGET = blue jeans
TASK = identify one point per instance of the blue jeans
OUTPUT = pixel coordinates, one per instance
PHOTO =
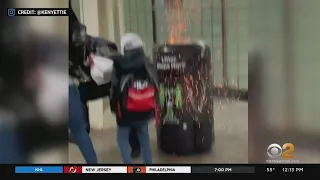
(10, 150)
(143, 136)
(77, 125)
(85, 106)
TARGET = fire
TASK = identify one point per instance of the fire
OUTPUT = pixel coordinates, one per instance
(177, 18)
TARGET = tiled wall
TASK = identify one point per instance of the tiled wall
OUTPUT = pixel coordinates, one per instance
(268, 32)
(237, 43)
(138, 19)
(306, 53)
(266, 19)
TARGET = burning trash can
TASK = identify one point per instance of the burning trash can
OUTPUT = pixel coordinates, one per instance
(185, 111)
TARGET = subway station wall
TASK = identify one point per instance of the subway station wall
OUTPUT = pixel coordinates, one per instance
(138, 19)
(237, 43)
(305, 17)
(205, 23)
(287, 35)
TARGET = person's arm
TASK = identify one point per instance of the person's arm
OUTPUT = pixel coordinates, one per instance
(103, 47)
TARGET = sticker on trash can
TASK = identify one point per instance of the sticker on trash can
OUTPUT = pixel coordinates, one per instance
(170, 98)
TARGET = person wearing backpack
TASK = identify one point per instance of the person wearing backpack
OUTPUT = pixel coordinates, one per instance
(132, 97)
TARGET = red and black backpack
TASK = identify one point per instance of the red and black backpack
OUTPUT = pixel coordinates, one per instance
(136, 95)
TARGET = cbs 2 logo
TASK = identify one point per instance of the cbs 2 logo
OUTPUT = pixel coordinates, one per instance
(286, 151)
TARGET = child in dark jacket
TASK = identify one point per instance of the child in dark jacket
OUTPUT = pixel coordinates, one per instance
(133, 61)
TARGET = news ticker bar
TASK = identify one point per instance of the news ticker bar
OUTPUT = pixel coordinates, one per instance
(270, 169)
(132, 169)
(38, 12)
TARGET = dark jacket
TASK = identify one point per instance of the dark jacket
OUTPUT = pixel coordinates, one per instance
(131, 62)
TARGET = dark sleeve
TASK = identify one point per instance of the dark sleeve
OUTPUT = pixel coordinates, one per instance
(72, 20)
(103, 47)
(91, 91)
(72, 73)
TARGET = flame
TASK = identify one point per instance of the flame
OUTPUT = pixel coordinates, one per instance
(177, 19)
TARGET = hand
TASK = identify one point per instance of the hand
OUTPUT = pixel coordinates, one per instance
(90, 60)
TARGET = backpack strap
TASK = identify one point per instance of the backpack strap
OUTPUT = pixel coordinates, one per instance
(124, 81)
(114, 82)
(151, 74)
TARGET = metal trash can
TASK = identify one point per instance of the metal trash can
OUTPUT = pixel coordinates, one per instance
(185, 110)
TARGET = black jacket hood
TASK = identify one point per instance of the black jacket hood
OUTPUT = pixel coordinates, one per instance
(132, 60)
